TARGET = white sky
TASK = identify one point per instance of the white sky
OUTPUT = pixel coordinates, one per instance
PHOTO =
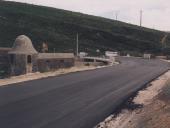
(156, 13)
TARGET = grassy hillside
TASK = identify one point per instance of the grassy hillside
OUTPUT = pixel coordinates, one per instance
(59, 28)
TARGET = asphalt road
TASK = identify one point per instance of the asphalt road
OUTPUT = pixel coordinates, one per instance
(76, 100)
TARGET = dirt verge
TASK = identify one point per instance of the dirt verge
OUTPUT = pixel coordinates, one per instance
(38, 75)
(152, 108)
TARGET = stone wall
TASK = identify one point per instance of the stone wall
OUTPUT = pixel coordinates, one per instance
(4, 59)
(4, 64)
(53, 64)
(4, 56)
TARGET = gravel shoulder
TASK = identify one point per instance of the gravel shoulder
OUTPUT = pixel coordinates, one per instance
(153, 110)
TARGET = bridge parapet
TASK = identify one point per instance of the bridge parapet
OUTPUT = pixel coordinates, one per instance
(98, 59)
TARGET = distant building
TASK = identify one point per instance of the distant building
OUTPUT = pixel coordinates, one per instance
(82, 54)
(111, 54)
(128, 55)
(23, 58)
(161, 57)
(147, 56)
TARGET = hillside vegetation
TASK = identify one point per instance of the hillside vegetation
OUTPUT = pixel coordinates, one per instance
(59, 27)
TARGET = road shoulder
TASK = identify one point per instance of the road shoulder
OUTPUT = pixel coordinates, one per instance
(38, 75)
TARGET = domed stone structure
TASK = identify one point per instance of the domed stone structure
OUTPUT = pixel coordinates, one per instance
(23, 45)
(22, 56)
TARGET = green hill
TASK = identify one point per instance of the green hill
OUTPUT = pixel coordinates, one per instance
(59, 27)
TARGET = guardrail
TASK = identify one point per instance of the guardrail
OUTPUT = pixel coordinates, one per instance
(95, 59)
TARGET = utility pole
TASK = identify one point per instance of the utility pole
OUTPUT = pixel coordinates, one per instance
(116, 15)
(141, 17)
(77, 45)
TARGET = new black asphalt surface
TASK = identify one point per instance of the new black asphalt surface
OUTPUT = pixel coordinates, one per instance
(76, 100)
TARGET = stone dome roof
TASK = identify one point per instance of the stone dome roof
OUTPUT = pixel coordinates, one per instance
(23, 45)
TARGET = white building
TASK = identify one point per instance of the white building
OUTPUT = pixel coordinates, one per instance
(111, 54)
(147, 56)
(82, 54)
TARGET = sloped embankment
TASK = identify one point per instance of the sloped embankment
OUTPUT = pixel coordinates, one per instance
(59, 28)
